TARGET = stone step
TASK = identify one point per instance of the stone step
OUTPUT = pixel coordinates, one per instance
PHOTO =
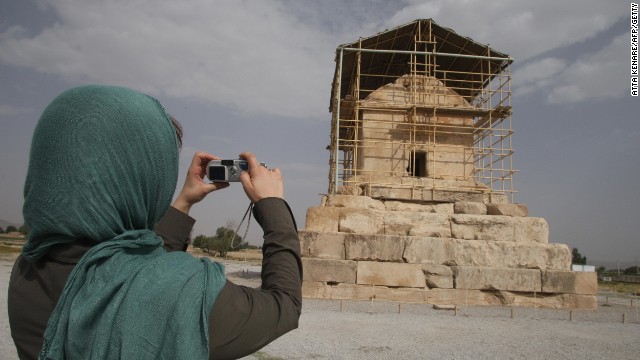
(435, 251)
(414, 223)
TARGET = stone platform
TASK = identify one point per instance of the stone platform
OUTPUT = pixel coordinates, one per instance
(357, 247)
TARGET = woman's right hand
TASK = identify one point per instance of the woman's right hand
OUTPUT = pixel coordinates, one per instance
(259, 182)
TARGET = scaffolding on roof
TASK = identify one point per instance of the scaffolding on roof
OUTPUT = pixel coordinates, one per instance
(420, 108)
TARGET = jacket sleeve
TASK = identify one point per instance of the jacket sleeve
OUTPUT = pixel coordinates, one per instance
(243, 319)
(174, 228)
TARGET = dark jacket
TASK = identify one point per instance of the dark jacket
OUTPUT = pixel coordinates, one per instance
(242, 319)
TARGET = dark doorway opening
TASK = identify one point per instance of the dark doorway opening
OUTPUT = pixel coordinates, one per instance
(418, 166)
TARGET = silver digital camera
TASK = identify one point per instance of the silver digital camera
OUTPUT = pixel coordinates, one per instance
(226, 170)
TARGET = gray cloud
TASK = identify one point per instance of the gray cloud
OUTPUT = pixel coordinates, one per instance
(224, 52)
(602, 75)
(522, 28)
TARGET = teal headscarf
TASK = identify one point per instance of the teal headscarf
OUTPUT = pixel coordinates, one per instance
(103, 168)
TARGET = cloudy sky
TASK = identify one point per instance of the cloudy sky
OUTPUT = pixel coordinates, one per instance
(256, 75)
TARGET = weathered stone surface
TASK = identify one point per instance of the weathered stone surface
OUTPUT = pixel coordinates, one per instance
(470, 208)
(361, 221)
(338, 271)
(354, 201)
(528, 229)
(428, 250)
(438, 276)
(322, 290)
(444, 307)
(495, 198)
(417, 224)
(322, 219)
(446, 208)
(570, 282)
(507, 254)
(555, 301)
(374, 247)
(515, 210)
(455, 296)
(558, 257)
(390, 274)
(322, 245)
(426, 194)
(479, 227)
(483, 278)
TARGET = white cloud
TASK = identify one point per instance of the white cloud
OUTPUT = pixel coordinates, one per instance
(521, 28)
(536, 75)
(272, 57)
(252, 56)
(601, 75)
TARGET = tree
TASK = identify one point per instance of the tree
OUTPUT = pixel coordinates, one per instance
(577, 258)
(11, 229)
(24, 229)
(631, 270)
(224, 241)
(1, 230)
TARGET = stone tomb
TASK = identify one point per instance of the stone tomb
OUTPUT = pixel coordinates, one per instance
(474, 253)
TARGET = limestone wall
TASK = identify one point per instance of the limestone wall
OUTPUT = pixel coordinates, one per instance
(355, 247)
(386, 136)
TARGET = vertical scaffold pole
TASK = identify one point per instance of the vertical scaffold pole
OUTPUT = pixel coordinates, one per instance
(337, 149)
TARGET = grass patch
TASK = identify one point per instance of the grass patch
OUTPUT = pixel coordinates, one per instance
(628, 288)
(10, 249)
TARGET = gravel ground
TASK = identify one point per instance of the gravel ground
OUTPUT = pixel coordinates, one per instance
(333, 329)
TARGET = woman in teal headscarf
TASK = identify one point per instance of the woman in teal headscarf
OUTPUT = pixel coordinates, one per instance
(102, 172)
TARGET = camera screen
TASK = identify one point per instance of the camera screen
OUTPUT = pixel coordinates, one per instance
(217, 173)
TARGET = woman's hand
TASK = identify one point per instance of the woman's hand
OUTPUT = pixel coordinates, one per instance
(260, 182)
(195, 188)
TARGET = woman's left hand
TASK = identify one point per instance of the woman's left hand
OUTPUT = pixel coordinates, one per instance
(195, 188)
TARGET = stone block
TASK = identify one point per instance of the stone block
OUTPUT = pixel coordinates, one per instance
(374, 247)
(428, 250)
(554, 301)
(417, 224)
(528, 229)
(482, 227)
(446, 208)
(438, 276)
(570, 282)
(495, 198)
(383, 293)
(390, 274)
(470, 208)
(341, 291)
(322, 245)
(426, 194)
(354, 201)
(455, 296)
(515, 210)
(328, 270)
(451, 196)
(361, 221)
(558, 257)
(322, 290)
(483, 278)
(507, 254)
(322, 219)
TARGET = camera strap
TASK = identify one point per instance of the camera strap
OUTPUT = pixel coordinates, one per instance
(246, 230)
